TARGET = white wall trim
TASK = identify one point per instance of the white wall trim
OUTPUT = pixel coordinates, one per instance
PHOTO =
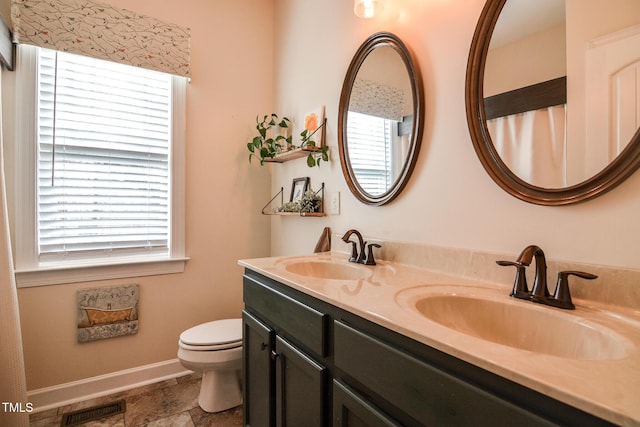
(133, 267)
(102, 385)
(34, 270)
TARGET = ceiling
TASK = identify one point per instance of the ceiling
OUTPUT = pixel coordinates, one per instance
(522, 18)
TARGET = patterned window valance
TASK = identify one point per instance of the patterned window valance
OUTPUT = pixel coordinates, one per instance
(375, 99)
(102, 31)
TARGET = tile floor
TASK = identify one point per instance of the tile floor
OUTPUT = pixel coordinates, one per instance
(171, 403)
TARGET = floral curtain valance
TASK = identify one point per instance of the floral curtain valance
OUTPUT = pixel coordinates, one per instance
(102, 31)
(375, 99)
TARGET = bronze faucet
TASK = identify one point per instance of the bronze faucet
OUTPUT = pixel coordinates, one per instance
(540, 290)
(540, 293)
(359, 256)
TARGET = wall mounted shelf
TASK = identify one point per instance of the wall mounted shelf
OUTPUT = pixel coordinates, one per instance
(266, 211)
(300, 152)
(296, 153)
(315, 214)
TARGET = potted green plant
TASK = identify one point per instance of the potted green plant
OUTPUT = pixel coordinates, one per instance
(310, 202)
(274, 138)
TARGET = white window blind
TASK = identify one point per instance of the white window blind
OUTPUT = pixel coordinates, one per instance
(370, 151)
(103, 168)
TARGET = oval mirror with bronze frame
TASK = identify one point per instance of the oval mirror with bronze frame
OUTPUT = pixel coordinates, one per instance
(612, 174)
(380, 119)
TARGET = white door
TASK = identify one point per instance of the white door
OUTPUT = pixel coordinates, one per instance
(612, 95)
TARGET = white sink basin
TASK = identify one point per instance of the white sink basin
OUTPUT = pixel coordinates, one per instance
(328, 270)
(524, 325)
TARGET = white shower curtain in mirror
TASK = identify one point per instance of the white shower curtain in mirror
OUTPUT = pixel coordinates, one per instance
(13, 389)
(533, 145)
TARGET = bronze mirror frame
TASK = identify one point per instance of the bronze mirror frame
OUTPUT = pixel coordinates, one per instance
(615, 173)
(370, 44)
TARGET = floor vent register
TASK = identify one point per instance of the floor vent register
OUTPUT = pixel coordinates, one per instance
(93, 413)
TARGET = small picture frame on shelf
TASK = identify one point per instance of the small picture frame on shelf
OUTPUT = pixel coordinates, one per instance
(298, 187)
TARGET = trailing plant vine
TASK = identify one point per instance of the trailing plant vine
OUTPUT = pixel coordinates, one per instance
(266, 146)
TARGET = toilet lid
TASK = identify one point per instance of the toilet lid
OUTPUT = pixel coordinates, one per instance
(225, 331)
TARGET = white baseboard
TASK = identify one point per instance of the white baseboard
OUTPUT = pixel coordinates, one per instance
(102, 385)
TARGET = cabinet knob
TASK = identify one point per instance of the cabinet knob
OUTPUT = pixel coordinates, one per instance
(274, 355)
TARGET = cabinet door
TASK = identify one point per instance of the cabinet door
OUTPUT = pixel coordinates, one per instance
(419, 389)
(300, 388)
(257, 373)
(352, 410)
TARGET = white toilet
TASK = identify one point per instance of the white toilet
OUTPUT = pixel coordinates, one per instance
(215, 349)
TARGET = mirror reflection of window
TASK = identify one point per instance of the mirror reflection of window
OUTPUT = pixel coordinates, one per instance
(370, 151)
(383, 86)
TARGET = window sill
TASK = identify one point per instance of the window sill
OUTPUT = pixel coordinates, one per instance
(87, 273)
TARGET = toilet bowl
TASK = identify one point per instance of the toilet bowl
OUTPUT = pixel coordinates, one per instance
(215, 350)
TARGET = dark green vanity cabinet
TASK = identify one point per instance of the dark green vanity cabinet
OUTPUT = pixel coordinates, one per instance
(309, 363)
(284, 345)
(283, 386)
(258, 372)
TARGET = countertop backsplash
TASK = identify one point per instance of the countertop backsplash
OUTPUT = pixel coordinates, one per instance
(615, 286)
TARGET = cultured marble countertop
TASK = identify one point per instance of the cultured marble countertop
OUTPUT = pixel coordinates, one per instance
(608, 388)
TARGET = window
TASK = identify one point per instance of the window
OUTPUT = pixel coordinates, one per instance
(102, 167)
(370, 142)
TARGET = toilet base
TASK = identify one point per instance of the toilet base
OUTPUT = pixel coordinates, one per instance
(220, 390)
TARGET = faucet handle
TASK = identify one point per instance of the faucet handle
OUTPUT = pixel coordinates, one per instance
(370, 260)
(520, 289)
(562, 296)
